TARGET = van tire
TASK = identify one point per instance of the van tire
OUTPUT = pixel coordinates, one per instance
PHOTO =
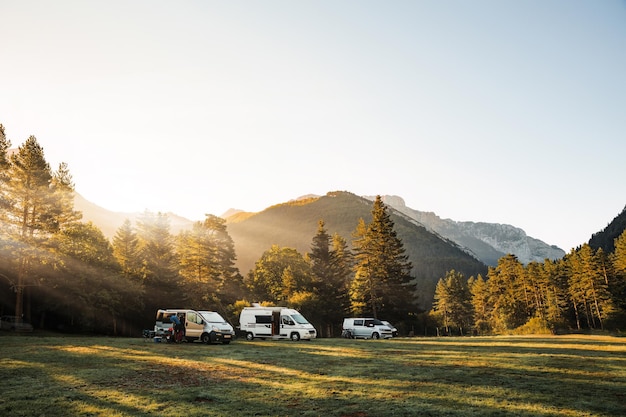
(206, 338)
(375, 335)
(249, 336)
(295, 336)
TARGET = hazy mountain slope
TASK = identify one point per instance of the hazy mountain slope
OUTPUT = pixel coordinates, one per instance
(294, 225)
(605, 238)
(488, 241)
(109, 221)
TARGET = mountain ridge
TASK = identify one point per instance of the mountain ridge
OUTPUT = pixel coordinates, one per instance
(487, 242)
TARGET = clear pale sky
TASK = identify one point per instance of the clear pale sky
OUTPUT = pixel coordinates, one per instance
(495, 111)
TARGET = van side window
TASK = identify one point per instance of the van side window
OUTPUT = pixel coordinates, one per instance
(369, 323)
(358, 322)
(263, 319)
(194, 318)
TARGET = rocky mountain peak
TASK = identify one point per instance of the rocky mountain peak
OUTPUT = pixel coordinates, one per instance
(487, 241)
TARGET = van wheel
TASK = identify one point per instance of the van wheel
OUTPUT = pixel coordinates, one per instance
(249, 336)
(205, 338)
(295, 336)
(375, 335)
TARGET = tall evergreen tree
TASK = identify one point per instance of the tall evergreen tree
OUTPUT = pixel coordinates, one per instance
(618, 260)
(330, 277)
(160, 265)
(508, 294)
(588, 285)
(552, 288)
(481, 303)
(382, 285)
(229, 281)
(5, 201)
(127, 251)
(39, 207)
(453, 302)
(207, 259)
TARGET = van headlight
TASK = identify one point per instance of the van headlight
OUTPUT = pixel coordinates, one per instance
(215, 329)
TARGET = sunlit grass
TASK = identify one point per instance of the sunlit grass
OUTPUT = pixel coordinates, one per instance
(482, 376)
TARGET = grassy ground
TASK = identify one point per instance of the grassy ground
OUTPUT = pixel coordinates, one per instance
(477, 376)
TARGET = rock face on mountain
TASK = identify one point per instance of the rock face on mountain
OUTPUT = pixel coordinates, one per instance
(487, 241)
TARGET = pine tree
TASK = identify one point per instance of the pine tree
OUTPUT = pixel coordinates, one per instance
(508, 294)
(453, 302)
(207, 259)
(619, 256)
(5, 200)
(588, 285)
(481, 303)
(126, 251)
(39, 206)
(618, 260)
(160, 266)
(382, 285)
(441, 305)
(229, 280)
(330, 275)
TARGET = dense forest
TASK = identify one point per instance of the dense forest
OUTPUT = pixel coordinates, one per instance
(63, 274)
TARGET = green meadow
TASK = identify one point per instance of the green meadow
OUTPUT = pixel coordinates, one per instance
(470, 376)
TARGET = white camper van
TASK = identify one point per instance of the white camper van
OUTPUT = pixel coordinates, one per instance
(196, 326)
(275, 323)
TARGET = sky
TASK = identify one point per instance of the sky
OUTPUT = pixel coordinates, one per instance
(486, 111)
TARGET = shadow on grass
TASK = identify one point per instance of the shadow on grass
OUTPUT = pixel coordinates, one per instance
(438, 377)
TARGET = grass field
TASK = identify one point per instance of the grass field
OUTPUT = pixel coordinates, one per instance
(473, 376)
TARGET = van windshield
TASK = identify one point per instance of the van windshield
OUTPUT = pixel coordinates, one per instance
(212, 317)
(299, 318)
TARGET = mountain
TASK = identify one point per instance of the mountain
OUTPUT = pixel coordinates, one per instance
(109, 221)
(294, 224)
(487, 241)
(605, 238)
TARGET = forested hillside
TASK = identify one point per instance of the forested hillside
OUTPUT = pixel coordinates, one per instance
(605, 239)
(293, 224)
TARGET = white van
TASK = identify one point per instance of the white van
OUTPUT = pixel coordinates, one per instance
(196, 326)
(366, 328)
(214, 319)
(275, 323)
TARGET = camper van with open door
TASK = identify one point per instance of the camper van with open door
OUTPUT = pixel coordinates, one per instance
(275, 323)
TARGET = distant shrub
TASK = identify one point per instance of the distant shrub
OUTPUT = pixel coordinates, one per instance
(535, 325)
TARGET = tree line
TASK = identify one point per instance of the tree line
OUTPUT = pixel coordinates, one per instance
(584, 291)
(61, 273)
